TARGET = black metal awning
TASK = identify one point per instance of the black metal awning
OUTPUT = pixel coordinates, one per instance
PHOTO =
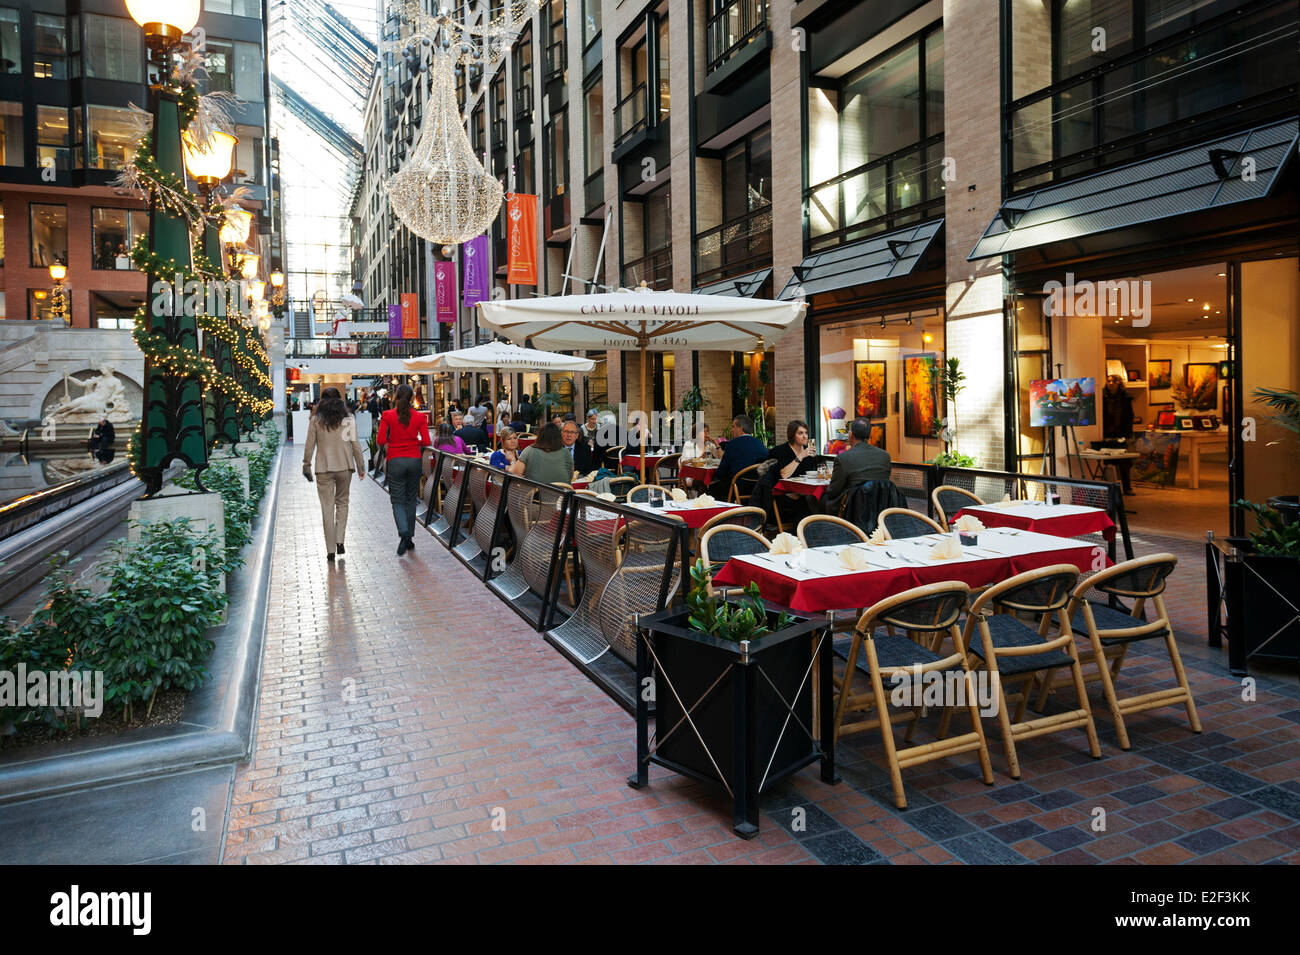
(743, 286)
(1230, 169)
(881, 257)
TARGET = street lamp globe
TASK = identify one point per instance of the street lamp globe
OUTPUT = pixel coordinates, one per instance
(256, 291)
(248, 266)
(237, 226)
(58, 271)
(166, 20)
(209, 162)
(277, 279)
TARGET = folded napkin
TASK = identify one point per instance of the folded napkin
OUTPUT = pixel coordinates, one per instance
(785, 544)
(678, 494)
(878, 536)
(592, 476)
(854, 559)
(969, 523)
(1005, 502)
(606, 496)
(704, 500)
(947, 548)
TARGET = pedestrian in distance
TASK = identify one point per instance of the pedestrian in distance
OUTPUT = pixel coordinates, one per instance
(332, 438)
(405, 435)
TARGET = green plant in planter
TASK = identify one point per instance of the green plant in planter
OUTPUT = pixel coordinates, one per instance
(1274, 537)
(725, 620)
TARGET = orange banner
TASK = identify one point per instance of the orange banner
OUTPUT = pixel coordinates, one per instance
(521, 216)
(410, 315)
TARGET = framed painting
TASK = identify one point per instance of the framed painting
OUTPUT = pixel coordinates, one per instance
(1160, 373)
(920, 395)
(870, 392)
(1157, 461)
(1202, 380)
(877, 434)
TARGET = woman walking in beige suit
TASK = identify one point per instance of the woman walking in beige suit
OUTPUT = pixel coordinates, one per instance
(332, 435)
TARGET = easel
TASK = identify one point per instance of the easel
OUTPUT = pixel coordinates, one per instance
(1071, 447)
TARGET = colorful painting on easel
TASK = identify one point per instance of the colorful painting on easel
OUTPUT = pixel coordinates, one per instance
(920, 395)
(869, 393)
(1157, 461)
(1062, 402)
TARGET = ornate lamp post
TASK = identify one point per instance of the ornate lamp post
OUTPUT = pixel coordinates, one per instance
(58, 272)
(277, 294)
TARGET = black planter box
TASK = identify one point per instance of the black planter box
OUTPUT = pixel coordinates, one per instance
(739, 715)
(1263, 605)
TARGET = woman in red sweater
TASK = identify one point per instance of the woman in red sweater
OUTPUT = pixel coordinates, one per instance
(405, 435)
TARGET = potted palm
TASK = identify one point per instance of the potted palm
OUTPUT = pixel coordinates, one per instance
(732, 684)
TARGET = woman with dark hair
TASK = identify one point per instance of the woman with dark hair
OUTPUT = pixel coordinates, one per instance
(1117, 425)
(545, 460)
(332, 435)
(405, 435)
(445, 439)
(797, 456)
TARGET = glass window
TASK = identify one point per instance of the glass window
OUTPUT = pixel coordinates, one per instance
(557, 152)
(113, 135)
(112, 234)
(658, 222)
(51, 47)
(934, 83)
(590, 21)
(1091, 32)
(53, 142)
(1165, 17)
(881, 108)
(40, 304)
(11, 41)
(3, 313)
(248, 72)
(2, 234)
(108, 314)
(218, 6)
(594, 139)
(49, 232)
(11, 134)
(664, 98)
(221, 56)
(248, 155)
(114, 49)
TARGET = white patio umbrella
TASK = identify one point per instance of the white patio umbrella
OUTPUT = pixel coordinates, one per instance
(497, 357)
(642, 320)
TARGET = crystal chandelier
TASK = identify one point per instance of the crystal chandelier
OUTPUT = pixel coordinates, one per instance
(442, 193)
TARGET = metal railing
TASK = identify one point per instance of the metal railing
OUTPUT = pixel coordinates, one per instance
(593, 190)
(732, 28)
(358, 347)
(737, 246)
(555, 59)
(630, 114)
(655, 269)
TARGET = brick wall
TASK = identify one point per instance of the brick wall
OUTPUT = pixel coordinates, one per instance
(787, 202)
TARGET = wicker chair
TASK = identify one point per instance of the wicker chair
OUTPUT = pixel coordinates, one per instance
(1110, 632)
(948, 500)
(751, 517)
(671, 463)
(901, 522)
(612, 456)
(721, 543)
(738, 494)
(916, 621)
(642, 493)
(824, 530)
(1018, 653)
(619, 486)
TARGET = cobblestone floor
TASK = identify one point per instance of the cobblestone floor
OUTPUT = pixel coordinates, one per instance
(402, 703)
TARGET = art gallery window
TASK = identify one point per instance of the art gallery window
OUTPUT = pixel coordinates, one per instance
(112, 234)
(49, 232)
(882, 367)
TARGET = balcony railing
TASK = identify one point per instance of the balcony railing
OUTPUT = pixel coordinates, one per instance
(593, 190)
(906, 186)
(630, 114)
(523, 103)
(376, 347)
(655, 269)
(732, 28)
(738, 246)
(555, 60)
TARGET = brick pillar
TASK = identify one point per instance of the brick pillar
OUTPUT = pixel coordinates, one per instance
(974, 325)
(787, 202)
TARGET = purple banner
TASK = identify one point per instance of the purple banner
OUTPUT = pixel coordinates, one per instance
(444, 291)
(395, 321)
(476, 268)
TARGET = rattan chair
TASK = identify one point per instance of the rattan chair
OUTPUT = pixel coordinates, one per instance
(620, 485)
(1018, 653)
(948, 500)
(901, 522)
(721, 543)
(642, 493)
(825, 530)
(613, 455)
(749, 475)
(1110, 631)
(669, 462)
(929, 613)
(751, 517)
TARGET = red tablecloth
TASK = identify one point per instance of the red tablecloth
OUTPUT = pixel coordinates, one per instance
(634, 461)
(702, 475)
(1096, 521)
(525, 440)
(579, 485)
(864, 589)
(694, 517)
(793, 487)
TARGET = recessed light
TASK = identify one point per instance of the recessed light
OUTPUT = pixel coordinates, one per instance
(1205, 307)
(1191, 300)
(1221, 274)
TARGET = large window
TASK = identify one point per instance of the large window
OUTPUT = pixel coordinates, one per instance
(49, 233)
(113, 134)
(662, 78)
(885, 124)
(1097, 83)
(556, 57)
(11, 134)
(248, 72)
(221, 65)
(113, 49)
(249, 156)
(523, 64)
(593, 140)
(732, 25)
(11, 41)
(557, 153)
(53, 138)
(633, 77)
(742, 241)
(51, 46)
(240, 8)
(590, 21)
(112, 234)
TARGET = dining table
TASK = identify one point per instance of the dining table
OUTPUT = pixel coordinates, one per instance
(700, 473)
(634, 461)
(812, 486)
(694, 517)
(817, 580)
(1060, 520)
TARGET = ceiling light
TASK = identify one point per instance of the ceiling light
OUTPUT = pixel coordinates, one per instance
(1205, 307)
(1221, 274)
(1191, 300)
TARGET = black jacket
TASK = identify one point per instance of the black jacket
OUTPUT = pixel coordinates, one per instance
(861, 463)
(866, 501)
(473, 436)
(1117, 414)
(738, 454)
(583, 459)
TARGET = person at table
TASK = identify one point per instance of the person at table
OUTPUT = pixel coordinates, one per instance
(637, 426)
(742, 451)
(546, 460)
(445, 439)
(591, 428)
(508, 453)
(475, 437)
(796, 456)
(1117, 425)
(701, 446)
(861, 462)
(578, 450)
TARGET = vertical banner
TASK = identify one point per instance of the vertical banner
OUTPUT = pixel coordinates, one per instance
(474, 255)
(521, 215)
(444, 291)
(410, 315)
(394, 321)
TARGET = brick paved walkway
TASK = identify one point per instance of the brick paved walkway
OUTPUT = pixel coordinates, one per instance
(403, 703)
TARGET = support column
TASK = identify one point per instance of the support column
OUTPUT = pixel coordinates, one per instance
(788, 145)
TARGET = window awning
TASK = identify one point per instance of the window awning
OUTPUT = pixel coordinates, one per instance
(1231, 169)
(887, 256)
(745, 286)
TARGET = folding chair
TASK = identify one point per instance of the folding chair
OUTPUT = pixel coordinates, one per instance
(902, 522)
(1012, 651)
(1110, 632)
(948, 500)
(930, 612)
(825, 530)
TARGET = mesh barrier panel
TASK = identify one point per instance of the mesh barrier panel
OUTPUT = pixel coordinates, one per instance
(453, 500)
(521, 509)
(637, 585)
(597, 535)
(489, 512)
(469, 547)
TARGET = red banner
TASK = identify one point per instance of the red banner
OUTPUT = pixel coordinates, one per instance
(521, 216)
(444, 291)
(410, 315)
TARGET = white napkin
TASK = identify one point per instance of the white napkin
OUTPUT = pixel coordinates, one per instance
(947, 548)
(704, 500)
(592, 476)
(678, 494)
(969, 523)
(1005, 502)
(854, 559)
(878, 536)
(785, 544)
(607, 497)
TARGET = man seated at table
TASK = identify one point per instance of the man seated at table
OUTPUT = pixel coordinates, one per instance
(861, 462)
(742, 451)
(475, 437)
(579, 451)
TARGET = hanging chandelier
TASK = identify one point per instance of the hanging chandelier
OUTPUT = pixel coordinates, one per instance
(443, 193)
